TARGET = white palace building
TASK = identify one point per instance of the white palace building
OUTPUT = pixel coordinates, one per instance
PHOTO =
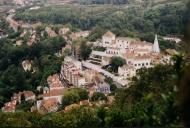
(138, 54)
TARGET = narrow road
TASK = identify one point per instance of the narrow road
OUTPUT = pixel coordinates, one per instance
(102, 71)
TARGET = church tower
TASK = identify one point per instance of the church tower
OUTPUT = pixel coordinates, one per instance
(156, 47)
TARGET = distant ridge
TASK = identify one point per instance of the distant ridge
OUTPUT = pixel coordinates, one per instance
(124, 1)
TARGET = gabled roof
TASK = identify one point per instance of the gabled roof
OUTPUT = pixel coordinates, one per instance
(54, 81)
(26, 62)
(9, 106)
(141, 43)
(50, 103)
(142, 57)
(57, 92)
(126, 38)
(28, 94)
(109, 34)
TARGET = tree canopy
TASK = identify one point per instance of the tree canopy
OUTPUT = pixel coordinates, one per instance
(117, 62)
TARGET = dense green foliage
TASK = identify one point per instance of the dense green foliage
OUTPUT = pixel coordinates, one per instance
(73, 96)
(116, 62)
(168, 45)
(103, 1)
(85, 51)
(186, 21)
(146, 3)
(98, 48)
(184, 72)
(96, 33)
(122, 20)
(97, 96)
(25, 106)
(113, 86)
(4, 25)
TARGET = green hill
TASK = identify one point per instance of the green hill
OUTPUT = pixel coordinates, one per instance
(124, 20)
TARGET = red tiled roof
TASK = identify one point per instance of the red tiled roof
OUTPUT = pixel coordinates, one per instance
(58, 92)
(129, 55)
(50, 103)
(140, 43)
(28, 94)
(142, 50)
(9, 106)
(143, 57)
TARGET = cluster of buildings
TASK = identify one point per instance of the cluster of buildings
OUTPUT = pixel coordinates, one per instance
(51, 96)
(137, 54)
(73, 73)
(72, 76)
(17, 99)
(80, 34)
(31, 30)
(66, 33)
(49, 101)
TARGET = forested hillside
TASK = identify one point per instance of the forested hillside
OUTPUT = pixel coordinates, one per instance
(117, 2)
(124, 20)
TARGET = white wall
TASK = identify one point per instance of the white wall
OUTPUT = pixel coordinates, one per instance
(122, 43)
(140, 63)
(107, 41)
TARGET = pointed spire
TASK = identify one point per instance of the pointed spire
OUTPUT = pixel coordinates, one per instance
(156, 47)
